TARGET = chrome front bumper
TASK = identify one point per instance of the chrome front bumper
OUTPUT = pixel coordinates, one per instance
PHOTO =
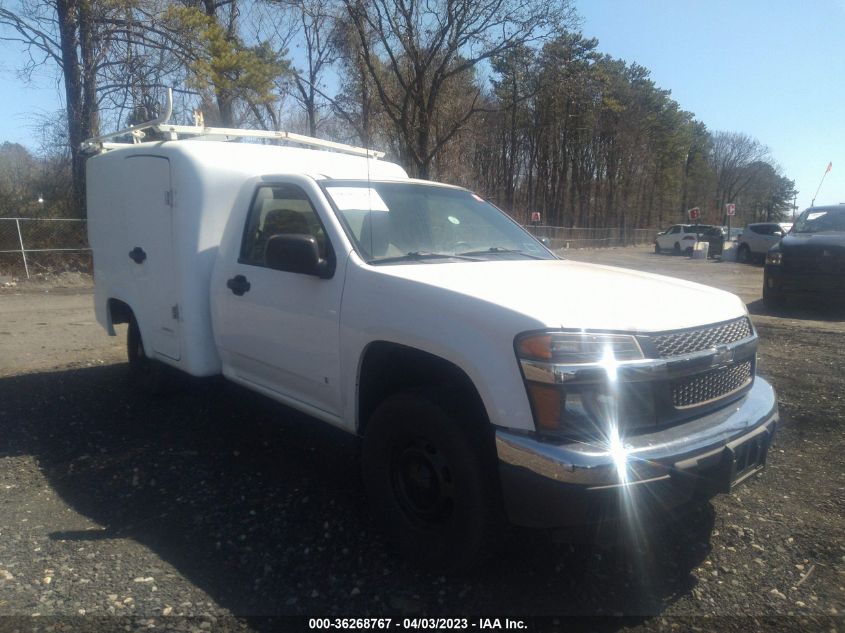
(547, 484)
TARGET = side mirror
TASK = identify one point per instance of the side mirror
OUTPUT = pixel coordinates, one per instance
(296, 254)
(777, 233)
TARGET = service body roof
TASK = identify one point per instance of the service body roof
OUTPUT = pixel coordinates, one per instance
(252, 159)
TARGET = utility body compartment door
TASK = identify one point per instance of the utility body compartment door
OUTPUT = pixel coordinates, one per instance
(278, 331)
(149, 252)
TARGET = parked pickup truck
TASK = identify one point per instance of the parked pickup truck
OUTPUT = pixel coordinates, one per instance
(490, 380)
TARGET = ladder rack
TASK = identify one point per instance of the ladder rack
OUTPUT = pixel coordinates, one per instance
(160, 124)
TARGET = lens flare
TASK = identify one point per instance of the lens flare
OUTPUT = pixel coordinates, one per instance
(609, 363)
(634, 503)
(618, 453)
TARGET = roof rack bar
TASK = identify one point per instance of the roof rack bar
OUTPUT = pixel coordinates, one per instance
(99, 142)
(281, 135)
(160, 124)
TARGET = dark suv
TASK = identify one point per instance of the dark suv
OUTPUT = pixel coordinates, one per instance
(810, 259)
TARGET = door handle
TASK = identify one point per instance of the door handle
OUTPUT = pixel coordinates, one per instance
(137, 255)
(238, 285)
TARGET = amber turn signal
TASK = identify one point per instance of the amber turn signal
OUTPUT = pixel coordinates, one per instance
(538, 346)
(547, 402)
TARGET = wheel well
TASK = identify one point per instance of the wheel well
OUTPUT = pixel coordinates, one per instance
(119, 311)
(388, 368)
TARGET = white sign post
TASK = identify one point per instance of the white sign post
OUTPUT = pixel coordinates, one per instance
(730, 210)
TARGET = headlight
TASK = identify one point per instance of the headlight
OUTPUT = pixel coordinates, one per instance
(578, 348)
(581, 408)
(774, 258)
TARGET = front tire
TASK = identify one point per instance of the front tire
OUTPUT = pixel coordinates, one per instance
(771, 299)
(657, 248)
(743, 255)
(430, 474)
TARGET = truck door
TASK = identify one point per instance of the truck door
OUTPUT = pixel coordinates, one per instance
(279, 330)
(149, 230)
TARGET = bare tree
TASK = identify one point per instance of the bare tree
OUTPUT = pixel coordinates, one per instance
(63, 32)
(733, 153)
(413, 48)
(316, 34)
(356, 103)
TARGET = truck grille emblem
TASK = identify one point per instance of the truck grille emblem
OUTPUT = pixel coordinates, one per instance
(723, 356)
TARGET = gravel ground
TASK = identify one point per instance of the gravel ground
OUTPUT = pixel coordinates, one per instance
(215, 509)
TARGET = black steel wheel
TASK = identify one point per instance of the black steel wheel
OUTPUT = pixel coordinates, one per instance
(431, 478)
(422, 482)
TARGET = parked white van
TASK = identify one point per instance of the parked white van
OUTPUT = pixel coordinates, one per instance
(490, 380)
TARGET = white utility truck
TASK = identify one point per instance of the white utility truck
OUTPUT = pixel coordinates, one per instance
(490, 380)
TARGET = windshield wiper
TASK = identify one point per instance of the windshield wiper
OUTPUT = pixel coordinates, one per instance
(499, 249)
(423, 255)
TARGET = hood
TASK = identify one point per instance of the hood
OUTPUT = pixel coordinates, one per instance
(567, 294)
(835, 239)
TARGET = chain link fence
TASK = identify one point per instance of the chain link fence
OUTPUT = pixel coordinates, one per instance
(560, 237)
(29, 246)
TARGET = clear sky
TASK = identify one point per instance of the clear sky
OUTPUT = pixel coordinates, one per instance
(774, 69)
(770, 68)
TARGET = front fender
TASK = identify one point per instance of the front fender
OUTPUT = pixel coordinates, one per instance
(475, 337)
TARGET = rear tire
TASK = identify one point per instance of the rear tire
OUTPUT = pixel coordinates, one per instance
(146, 374)
(431, 476)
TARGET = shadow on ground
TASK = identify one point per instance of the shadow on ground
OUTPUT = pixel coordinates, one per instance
(262, 508)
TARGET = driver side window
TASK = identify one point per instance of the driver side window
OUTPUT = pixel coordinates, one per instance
(279, 210)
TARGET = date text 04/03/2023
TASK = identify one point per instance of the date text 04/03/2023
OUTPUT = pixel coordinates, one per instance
(488, 624)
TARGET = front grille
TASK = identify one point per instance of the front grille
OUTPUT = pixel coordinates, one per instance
(718, 383)
(827, 262)
(689, 341)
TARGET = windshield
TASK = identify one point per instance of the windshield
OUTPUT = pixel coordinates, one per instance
(391, 222)
(702, 229)
(714, 231)
(820, 220)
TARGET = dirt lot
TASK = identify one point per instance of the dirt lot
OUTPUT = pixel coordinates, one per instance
(219, 505)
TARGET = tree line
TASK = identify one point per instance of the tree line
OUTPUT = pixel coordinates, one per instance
(506, 97)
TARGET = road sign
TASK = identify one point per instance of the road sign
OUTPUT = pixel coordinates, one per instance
(535, 217)
(694, 213)
(730, 208)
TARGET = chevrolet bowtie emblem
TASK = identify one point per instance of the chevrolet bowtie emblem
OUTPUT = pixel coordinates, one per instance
(723, 355)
